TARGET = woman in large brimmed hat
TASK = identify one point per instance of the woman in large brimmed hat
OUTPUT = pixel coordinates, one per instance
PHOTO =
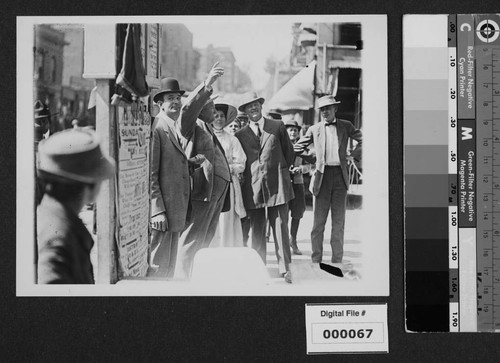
(225, 114)
(229, 222)
(72, 167)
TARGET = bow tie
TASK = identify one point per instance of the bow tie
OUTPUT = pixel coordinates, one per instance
(331, 123)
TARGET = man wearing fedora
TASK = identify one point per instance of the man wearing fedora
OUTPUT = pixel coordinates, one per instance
(72, 167)
(170, 177)
(330, 181)
(266, 180)
(274, 115)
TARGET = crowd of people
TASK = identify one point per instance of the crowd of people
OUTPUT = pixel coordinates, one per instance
(220, 177)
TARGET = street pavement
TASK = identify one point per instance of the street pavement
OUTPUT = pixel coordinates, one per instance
(304, 272)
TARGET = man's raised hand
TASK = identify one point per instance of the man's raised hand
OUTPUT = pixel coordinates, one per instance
(214, 74)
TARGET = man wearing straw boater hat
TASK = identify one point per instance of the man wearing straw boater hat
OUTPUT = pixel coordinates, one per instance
(171, 147)
(72, 167)
(330, 181)
(266, 180)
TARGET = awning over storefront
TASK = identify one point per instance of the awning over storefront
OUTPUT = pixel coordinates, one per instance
(345, 62)
(297, 93)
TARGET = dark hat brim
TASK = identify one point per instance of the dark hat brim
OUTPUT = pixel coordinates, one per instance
(161, 93)
(296, 126)
(242, 106)
(229, 112)
(45, 116)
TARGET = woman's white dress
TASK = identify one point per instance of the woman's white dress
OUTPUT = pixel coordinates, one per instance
(229, 231)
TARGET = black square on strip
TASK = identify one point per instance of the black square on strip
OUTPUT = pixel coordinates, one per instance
(427, 318)
(427, 301)
(427, 255)
(427, 287)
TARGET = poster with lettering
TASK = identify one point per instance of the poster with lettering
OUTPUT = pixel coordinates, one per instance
(152, 56)
(133, 189)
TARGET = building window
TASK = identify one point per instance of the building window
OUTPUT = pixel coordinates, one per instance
(350, 33)
(40, 60)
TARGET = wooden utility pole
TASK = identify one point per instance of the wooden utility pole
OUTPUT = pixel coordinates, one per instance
(100, 56)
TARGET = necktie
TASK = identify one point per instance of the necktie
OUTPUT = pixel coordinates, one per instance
(259, 133)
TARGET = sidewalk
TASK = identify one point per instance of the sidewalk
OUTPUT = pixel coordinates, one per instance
(303, 270)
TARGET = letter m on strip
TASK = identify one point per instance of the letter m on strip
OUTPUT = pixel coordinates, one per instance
(466, 133)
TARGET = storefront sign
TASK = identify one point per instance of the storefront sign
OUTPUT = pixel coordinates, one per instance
(133, 190)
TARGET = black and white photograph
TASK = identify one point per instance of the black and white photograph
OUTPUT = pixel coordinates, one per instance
(196, 155)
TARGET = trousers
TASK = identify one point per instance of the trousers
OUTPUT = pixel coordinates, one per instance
(278, 220)
(200, 232)
(164, 251)
(331, 198)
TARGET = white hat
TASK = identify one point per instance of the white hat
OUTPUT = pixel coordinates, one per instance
(327, 101)
(74, 154)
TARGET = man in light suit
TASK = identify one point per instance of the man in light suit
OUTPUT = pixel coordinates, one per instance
(330, 181)
(266, 180)
(170, 179)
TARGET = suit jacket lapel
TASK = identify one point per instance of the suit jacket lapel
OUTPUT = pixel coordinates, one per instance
(322, 140)
(216, 141)
(265, 134)
(169, 127)
(340, 133)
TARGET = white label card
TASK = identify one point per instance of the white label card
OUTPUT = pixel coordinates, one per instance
(341, 328)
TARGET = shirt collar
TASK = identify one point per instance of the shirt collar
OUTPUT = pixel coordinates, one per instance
(168, 117)
(260, 122)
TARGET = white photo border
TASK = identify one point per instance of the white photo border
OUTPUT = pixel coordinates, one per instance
(375, 210)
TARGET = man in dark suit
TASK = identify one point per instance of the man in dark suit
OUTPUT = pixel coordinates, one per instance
(266, 180)
(330, 181)
(170, 179)
(210, 185)
(72, 167)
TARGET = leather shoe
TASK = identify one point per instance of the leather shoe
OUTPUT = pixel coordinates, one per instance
(288, 277)
(295, 248)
